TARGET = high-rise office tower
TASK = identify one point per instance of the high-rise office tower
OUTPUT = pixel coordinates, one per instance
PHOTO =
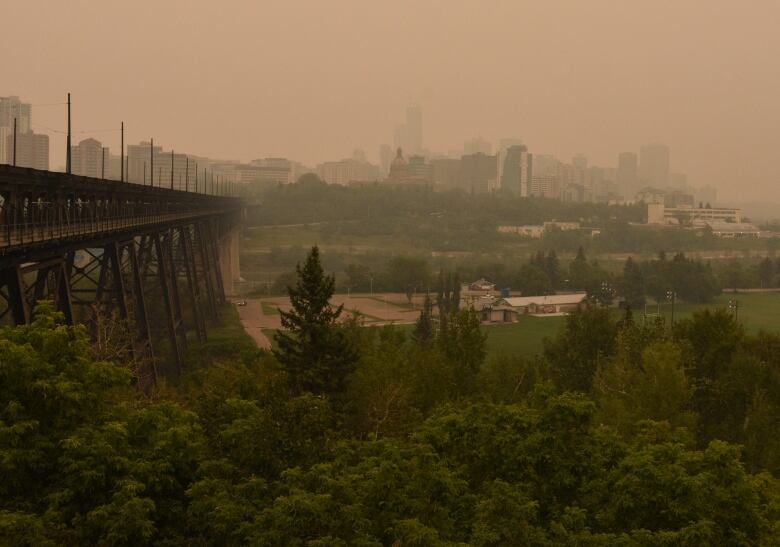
(87, 158)
(580, 161)
(477, 145)
(545, 178)
(409, 135)
(627, 175)
(654, 165)
(516, 170)
(12, 108)
(414, 129)
(503, 146)
(32, 150)
(385, 158)
(478, 172)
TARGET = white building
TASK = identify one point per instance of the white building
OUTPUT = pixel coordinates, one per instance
(734, 229)
(348, 170)
(657, 213)
(509, 309)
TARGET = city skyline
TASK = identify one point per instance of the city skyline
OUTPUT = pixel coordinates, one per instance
(618, 77)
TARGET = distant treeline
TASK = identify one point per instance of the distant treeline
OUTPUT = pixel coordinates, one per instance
(458, 221)
(311, 200)
(689, 280)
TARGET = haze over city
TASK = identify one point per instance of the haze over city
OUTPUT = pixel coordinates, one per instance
(313, 81)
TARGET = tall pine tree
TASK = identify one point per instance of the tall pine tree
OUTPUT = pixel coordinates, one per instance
(423, 330)
(312, 348)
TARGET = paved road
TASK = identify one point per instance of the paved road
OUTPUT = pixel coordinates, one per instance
(254, 320)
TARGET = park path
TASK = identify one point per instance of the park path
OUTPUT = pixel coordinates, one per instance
(254, 321)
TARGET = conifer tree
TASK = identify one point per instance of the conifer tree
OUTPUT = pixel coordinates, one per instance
(312, 348)
(423, 329)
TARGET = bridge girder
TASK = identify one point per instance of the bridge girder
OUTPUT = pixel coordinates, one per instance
(104, 247)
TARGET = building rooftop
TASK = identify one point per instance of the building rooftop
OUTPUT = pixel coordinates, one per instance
(553, 299)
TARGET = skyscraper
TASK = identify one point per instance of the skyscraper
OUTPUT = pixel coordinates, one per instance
(32, 150)
(654, 165)
(87, 158)
(478, 172)
(545, 178)
(503, 146)
(580, 161)
(627, 178)
(414, 129)
(12, 108)
(516, 170)
(409, 135)
(477, 145)
(385, 158)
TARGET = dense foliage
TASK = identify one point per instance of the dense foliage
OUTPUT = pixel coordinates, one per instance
(620, 434)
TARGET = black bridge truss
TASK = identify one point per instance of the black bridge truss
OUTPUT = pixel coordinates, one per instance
(148, 257)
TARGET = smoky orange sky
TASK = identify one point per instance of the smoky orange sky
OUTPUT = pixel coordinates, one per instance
(315, 80)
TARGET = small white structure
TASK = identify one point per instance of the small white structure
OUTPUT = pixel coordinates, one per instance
(482, 285)
(507, 310)
(536, 231)
(734, 229)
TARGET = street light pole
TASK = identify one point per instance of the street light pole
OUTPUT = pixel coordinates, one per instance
(734, 306)
(671, 295)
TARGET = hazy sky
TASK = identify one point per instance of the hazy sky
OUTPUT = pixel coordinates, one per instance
(314, 80)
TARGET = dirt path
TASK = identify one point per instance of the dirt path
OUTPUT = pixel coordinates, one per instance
(377, 309)
(254, 320)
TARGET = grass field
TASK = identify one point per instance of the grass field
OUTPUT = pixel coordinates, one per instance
(757, 311)
(525, 337)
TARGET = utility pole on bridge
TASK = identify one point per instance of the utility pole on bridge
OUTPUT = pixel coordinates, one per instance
(68, 166)
(122, 154)
(151, 171)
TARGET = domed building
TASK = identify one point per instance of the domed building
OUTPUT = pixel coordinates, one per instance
(399, 169)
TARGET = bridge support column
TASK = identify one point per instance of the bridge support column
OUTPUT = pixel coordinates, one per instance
(229, 260)
(11, 279)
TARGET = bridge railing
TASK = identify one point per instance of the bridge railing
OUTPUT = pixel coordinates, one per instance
(38, 221)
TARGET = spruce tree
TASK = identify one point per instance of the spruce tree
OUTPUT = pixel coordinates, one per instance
(423, 329)
(312, 348)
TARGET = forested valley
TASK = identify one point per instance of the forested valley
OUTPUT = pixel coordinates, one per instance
(621, 433)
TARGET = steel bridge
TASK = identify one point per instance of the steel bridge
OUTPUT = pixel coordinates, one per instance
(153, 259)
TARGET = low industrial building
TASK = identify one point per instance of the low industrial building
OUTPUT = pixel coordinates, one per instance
(658, 213)
(509, 309)
(536, 231)
(734, 229)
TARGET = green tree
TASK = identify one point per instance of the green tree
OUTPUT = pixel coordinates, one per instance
(312, 349)
(423, 329)
(631, 285)
(533, 281)
(464, 345)
(653, 389)
(408, 274)
(766, 272)
(552, 269)
(575, 353)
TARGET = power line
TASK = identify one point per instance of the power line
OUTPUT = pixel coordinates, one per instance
(48, 104)
(86, 131)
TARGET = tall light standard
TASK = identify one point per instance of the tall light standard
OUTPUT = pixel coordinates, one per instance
(607, 293)
(672, 297)
(734, 307)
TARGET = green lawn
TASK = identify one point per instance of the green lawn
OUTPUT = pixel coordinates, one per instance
(524, 337)
(757, 311)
